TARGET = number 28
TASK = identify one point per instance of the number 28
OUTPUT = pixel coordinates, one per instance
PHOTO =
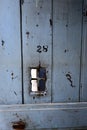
(42, 48)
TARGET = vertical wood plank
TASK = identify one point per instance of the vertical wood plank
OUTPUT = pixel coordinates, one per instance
(10, 52)
(83, 92)
(36, 34)
(67, 18)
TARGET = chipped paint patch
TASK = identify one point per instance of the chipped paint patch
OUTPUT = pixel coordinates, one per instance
(69, 78)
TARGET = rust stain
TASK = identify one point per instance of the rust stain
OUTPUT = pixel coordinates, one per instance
(20, 125)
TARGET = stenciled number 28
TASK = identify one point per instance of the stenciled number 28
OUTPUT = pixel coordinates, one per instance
(42, 48)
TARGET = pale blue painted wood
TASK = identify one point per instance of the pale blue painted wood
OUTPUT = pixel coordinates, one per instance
(44, 116)
(67, 20)
(66, 64)
(83, 86)
(10, 52)
(36, 31)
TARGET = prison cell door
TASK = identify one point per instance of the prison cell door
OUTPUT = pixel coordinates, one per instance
(43, 64)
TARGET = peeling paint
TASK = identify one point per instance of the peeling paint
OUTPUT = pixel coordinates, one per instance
(70, 79)
(37, 25)
(13, 77)
(38, 13)
(15, 93)
(27, 33)
(51, 22)
(66, 50)
(66, 25)
(3, 42)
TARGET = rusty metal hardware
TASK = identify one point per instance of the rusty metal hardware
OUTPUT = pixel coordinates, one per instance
(20, 125)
